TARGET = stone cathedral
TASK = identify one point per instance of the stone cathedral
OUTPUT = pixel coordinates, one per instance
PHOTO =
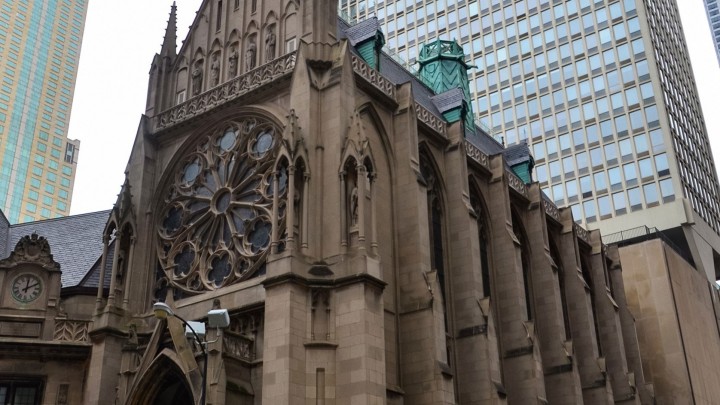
(370, 243)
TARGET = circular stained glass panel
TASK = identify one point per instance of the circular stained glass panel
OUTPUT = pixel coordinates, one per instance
(219, 210)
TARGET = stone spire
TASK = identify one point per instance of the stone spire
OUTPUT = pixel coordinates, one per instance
(169, 46)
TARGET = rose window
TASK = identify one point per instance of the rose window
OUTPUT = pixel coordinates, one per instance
(216, 220)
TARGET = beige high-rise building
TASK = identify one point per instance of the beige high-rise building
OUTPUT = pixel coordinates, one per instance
(40, 44)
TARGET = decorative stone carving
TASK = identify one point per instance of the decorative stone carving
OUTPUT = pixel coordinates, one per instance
(270, 43)
(238, 346)
(353, 205)
(582, 233)
(551, 209)
(215, 223)
(476, 154)
(228, 91)
(516, 183)
(373, 76)
(233, 62)
(214, 70)
(250, 54)
(31, 249)
(429, 119)
(197, 78)
(71, 331)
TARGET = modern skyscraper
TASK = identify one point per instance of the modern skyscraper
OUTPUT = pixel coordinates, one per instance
(39, 53)
(713, 13)
(603, 93)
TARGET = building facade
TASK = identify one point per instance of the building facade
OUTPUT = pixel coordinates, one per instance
(713, 13)
(369, 245)
(602, 91)
(39, 54)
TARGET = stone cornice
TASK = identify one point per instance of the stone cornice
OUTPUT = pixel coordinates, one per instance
(230, 90)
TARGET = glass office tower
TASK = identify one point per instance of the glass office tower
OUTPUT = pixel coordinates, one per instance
(39, 53)
(712, 8)
(601, 90)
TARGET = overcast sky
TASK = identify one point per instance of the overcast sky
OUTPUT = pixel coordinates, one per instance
(121, 38)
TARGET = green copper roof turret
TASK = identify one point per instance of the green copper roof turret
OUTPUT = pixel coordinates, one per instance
(443, 68)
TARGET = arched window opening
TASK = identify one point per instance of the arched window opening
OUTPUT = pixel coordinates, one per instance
(554, 254)
(591, 284)
(483, 240)
(435, 228)
(519, 232)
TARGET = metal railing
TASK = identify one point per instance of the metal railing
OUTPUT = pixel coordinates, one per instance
(642, 234)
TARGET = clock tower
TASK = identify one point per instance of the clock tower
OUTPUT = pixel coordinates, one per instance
(30, 290)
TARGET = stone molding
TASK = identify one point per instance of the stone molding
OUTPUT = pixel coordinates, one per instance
(373, 76)
(227, 91)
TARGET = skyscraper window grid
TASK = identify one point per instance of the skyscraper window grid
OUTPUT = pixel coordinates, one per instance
(40, 48)
(712, 8)
(576, 80)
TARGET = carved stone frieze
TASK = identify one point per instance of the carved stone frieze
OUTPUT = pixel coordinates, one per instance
(71, 331)
(230, 90)
(238, 346)
(31, 249)
(582, 233)
(551, 209)
(474, 153)
(373, 76)
(430, 119)
(516, 183)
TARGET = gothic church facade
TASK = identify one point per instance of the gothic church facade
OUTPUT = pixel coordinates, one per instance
(371, 245)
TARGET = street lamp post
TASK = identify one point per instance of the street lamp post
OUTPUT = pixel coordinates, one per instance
(217, 318)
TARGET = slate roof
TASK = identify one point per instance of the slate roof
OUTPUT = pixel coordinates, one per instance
(424, 95)
(75, 242)
(518, 153)
(448, 100)
(362, 31)
(92, 277)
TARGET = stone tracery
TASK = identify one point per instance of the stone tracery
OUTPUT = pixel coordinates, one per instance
(216, 221)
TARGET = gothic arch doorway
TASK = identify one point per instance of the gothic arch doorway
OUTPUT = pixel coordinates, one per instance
(163, 384)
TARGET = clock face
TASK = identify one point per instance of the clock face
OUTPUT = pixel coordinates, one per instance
(26, 288)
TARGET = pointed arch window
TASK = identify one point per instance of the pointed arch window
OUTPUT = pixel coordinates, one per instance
(218, 18)
(483, 240)
(519, 232)
(554, 254)
(435, 222)
(585, 268)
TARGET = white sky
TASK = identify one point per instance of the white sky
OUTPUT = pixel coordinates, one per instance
(121, 38)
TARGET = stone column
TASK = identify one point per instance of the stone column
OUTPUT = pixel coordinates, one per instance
(116, 256)
(126, 288)
(286, 314)
(290, 209)
(596, 388)
(521, 361)
(344, 211)
(101, 282)
(608, 319)
(636, 376)
(275, 213)
(562, 381)
(304, 224)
